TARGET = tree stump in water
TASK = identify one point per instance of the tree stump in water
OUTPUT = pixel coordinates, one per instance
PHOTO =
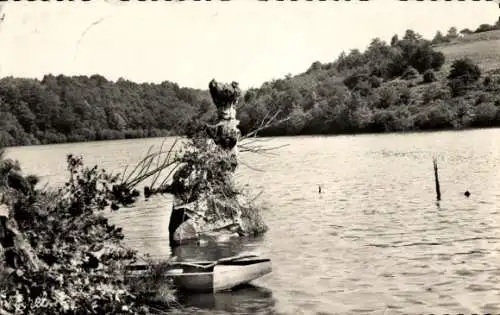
(191, 187)
(185, 232)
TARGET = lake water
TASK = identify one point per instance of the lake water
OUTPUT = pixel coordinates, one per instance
(373, 242)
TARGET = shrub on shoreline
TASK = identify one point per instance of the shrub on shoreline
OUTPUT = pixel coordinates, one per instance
(60, 255)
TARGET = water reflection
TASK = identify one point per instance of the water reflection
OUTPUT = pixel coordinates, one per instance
(248, 299)
(213, 248)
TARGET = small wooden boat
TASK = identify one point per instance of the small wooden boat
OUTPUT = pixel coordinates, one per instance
(214, 276)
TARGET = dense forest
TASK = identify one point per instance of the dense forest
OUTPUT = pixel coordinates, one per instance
(403, 85)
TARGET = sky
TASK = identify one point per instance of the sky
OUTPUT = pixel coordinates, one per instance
(190, 42)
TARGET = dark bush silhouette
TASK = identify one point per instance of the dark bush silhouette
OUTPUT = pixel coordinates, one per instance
(429, 76)
(361, 83)
(484, 28)
(487, 81)
(466, 31)
(485, 115)
(464, 69)
(438, 60)
(457, 87)
(439, 38)
(410, 73)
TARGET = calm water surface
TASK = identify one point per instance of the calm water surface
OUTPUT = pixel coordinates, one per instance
(374, 241)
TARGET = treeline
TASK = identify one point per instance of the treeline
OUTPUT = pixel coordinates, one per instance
(454, 34)
(400, 86)
(396, 86)
(61, 109)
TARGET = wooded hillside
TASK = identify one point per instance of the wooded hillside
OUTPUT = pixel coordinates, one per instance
(408, 84)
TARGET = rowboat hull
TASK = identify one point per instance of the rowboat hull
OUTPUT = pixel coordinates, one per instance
(224, 276)
(210, 276)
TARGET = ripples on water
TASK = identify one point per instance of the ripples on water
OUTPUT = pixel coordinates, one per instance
(373, 242)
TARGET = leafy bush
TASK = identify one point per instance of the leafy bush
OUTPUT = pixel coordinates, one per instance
(435, 91)
(458, 87)
(484, 98)
(484, 28)
(422, 57)
(410, 74)
(464, 113)
(64, 257)
(439, 38)
(387, 97)
(465, 70)
(383, 121)
(485, 114)
(429, 76)
(213, 182)
(436, 116)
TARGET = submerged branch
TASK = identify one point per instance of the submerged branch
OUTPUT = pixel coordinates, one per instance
(436, 179)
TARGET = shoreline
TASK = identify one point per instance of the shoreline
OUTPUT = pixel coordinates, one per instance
(407, 132)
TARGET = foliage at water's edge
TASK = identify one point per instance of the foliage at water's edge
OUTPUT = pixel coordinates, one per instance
(60, 255)
(403, 85)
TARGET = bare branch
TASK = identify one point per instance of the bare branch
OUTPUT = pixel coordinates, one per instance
(251, 167)
(260, 149)
(264, 124)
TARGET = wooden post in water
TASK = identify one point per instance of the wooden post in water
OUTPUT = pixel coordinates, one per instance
(436, 179)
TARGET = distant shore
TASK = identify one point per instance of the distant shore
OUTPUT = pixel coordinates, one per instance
(408, 132)
(408, 85)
